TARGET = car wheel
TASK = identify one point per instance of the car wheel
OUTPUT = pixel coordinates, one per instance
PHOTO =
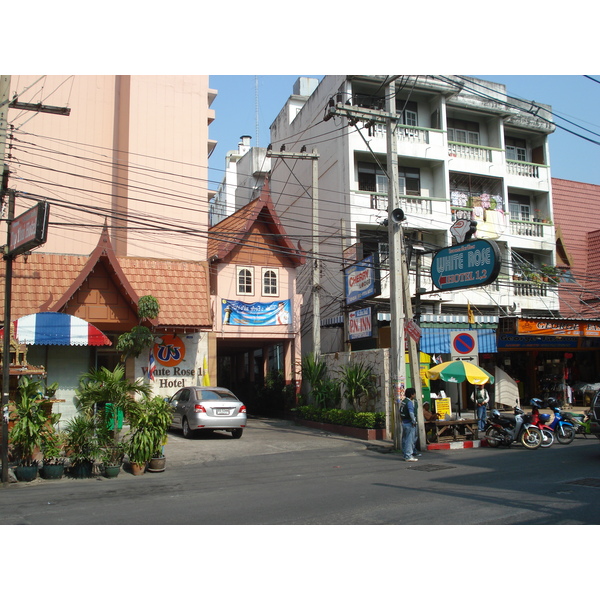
(237, 433)
(187, 432)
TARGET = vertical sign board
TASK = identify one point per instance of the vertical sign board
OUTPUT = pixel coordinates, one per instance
(360, 324)
(361, 280)
(463, 345)
(29, 230)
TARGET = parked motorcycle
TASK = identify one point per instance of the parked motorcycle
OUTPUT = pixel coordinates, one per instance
(541, 420)
(504, 429)
(582, 425)
(564, 430)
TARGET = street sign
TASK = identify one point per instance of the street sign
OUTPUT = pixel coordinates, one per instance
(413, 330)
(463, 345)
(471, 264)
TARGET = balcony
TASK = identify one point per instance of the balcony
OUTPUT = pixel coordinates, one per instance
(414, 205)
(528, 228)
(534, 288)
(470, 152)
(524, 169)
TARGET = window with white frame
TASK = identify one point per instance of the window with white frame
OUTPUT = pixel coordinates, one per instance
(270, 282)
(516, 149)
(463, 131)
(245, 281)
(519, 207)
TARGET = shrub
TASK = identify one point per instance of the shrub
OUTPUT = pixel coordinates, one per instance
(338, 416)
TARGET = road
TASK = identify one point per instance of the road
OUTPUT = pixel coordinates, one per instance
(282, 474)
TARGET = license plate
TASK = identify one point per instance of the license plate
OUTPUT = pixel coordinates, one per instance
(222, 412)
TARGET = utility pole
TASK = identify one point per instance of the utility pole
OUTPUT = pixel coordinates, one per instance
(8, 257)
(400, 303)
(316, 274)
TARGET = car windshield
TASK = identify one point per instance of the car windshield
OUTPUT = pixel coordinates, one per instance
(215, 395)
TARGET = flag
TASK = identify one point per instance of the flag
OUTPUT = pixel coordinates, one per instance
(470, 315)
(151, 366)
(205, 375)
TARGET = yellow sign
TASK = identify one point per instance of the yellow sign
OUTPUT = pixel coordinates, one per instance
(442, 407)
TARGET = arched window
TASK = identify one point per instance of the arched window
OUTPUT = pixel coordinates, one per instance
(245, 281)
(270, 282)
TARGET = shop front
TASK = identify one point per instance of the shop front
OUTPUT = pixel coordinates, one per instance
(557, 358)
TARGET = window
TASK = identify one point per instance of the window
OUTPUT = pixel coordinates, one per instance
(463, 131)
(270, 282)
(408, 110)
(409, 181)
(516, 149)
(519, 207)
(245, 279)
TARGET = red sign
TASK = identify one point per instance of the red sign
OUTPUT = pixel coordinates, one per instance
(413, 330)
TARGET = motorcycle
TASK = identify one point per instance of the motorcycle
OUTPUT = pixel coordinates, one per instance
(582, 425)
(541, 420)
(564, 430)
(503, 429)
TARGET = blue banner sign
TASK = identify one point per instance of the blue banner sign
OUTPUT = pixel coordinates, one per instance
(471, 264)
(234, 312)
(362, 280)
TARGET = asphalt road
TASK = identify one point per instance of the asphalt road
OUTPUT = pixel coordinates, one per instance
(281, 474)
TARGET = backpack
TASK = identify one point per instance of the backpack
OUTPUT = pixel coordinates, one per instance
(404, 412)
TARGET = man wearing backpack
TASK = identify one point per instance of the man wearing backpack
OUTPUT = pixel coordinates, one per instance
(409, 426)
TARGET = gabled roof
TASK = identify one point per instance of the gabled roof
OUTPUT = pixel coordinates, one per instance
(46, 282)
(236, 230)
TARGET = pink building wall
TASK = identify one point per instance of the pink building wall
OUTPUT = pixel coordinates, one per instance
(132, 152)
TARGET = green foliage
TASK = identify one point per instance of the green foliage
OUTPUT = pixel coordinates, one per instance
(357, 382)
(338, 416)
(150, 418)
(325, 392)
(99, 386)
(148, 308)
(82, 443)
(31, 422)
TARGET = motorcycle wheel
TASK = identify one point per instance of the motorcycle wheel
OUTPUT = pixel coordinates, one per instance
(493, 437)
(565, 434)
(531, 438)
(548, 438)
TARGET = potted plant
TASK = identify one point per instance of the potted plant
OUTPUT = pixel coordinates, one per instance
(53, 463)
(82, 445)
(111, 450)
(149, 419)
(27, 435)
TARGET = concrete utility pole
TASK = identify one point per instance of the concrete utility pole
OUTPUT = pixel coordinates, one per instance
(400, 303)
(8, 258)
(316, 274)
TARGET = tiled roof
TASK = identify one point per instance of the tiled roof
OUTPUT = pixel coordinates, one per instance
(231, 232)
(43, 282)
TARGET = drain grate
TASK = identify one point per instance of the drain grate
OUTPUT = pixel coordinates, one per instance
(589, 482)
(430, 467)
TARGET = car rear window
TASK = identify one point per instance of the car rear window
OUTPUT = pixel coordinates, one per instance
(214, 395)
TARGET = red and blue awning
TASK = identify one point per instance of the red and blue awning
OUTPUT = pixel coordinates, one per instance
(57, 329)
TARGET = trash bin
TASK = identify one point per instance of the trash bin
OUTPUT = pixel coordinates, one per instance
(110, 416)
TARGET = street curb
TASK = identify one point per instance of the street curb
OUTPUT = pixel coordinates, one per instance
(456, 445)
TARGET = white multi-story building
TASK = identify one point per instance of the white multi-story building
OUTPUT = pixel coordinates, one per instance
(466, 149)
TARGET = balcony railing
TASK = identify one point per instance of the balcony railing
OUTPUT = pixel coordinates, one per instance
(415, 205)
(524, 169)
(470, 152)
(406, 133)
(532, 288)
(527, 228)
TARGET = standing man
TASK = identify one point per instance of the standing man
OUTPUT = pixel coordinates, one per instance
(409, 426)
(481, 398)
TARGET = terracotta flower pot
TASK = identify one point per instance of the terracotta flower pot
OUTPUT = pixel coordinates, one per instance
(138, 468)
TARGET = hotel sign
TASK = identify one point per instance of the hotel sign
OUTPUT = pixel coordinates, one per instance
(29, 230)
(362, 280)
(471, 264)
(559, 328)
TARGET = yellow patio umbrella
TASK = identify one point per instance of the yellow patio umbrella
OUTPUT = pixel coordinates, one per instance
(457, 371)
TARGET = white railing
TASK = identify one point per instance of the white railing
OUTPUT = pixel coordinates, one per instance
(526, 228)
(415, 205)
(470, 152)
(406, 133)
(523, 169)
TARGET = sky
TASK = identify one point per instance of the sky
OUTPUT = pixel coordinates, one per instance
(575, 101)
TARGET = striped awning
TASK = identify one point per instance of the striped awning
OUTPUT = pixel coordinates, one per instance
(57, 329)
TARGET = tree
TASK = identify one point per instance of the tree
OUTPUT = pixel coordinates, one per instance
(133, 343)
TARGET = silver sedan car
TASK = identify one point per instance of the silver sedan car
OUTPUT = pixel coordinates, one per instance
(196, 408)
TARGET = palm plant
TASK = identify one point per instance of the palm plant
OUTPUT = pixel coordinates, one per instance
(315, 372)
(150, 418)
(357, 382)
